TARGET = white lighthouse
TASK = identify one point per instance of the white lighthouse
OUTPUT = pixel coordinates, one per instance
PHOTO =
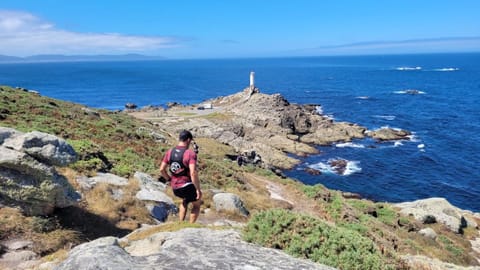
(252, 80)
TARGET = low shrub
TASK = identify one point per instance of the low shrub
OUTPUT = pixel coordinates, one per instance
(308, 237)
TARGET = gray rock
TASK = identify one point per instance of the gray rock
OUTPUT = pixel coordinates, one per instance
(230, 203)
(151, 190)
(13, 259)
(110, 179)
(7, 133)
(117, 194)
(160, 211)
(34, 186)
(422, 262)
(154, 195)
(16, 244)
(85, 182)
(428, 232)
(90, 112)
(45, 147)
(147, 182)
(442, 211)
(185, 249)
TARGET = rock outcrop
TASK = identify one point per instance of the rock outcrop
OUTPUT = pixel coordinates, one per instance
(28, 177)
(185, 249)
(439, 210)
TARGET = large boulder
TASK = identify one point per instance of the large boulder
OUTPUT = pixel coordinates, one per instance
(27, 178)
(185, 249)
(230, 203)
(154, 191)
(44, 147)
(438, 210)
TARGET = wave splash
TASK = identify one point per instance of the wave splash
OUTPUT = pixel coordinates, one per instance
(338, 166)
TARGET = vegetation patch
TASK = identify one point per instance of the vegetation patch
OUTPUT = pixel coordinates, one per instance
(311, 238)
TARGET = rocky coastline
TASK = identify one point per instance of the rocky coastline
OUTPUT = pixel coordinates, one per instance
(269, 125)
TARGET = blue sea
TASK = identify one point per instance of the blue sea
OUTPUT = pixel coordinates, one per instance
(434, 96)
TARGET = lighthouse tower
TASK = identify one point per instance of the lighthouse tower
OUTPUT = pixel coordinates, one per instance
(252, 80)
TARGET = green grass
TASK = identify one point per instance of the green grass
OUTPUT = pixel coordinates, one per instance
(117, 137)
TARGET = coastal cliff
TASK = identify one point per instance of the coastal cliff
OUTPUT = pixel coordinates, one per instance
(132, 215)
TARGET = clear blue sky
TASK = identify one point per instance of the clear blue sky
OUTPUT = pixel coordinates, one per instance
(244, 28)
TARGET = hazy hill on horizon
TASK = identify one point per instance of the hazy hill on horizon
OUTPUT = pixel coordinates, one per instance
(72, 58)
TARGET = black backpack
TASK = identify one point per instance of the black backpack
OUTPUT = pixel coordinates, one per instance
(177, 167)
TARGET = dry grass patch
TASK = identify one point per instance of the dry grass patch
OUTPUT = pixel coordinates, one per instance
(126, 211)
(46, 234)
(212, 148)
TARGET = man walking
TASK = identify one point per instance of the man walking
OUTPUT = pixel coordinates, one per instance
(182, 164)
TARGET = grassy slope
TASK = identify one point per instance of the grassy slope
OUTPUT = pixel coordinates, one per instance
(115, 142)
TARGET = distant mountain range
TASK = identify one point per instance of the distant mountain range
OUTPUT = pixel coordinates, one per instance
(77, 58)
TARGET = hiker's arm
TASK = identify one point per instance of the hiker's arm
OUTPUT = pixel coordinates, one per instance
(163, 171)
(195, 180)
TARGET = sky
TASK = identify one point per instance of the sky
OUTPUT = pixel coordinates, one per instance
(194, 29)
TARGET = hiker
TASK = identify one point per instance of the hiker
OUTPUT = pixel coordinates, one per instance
(182, 164)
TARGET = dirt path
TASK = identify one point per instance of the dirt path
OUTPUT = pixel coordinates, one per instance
(298, 201)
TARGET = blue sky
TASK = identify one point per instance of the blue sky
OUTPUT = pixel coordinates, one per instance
(244, 28)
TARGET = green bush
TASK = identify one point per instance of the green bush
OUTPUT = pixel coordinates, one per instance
(308, 237)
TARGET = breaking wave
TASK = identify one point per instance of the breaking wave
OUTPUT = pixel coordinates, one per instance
(325, 167)
(349, 144)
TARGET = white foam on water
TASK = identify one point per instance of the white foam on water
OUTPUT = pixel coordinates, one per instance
(413, 137)
(421, 146)
(363, 97)
(386, 117)
(408, 68)
(446, 69)
(410, 92)
(323, 167)
(397, 144)
(352, 167)
(319, 110)
(349, 144)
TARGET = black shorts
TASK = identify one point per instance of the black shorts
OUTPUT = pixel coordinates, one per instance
(188, 193)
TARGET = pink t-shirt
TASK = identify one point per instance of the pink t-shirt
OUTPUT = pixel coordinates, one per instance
(189, 157)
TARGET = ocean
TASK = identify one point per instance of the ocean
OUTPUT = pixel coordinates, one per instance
(434, 96)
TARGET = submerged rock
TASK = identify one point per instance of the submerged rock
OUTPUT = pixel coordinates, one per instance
(389, 134)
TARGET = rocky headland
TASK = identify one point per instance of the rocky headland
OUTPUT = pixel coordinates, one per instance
(79, 190)
(267, 124)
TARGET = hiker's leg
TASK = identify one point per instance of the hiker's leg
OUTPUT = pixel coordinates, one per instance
(182, 212)
(195, 211)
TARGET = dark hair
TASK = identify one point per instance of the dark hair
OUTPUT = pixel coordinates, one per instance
(185, 135)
